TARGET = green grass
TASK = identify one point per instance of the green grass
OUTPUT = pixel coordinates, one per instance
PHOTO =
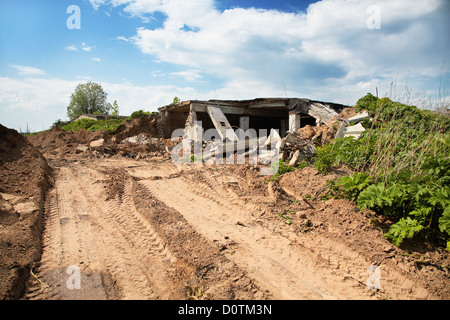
(109, 125)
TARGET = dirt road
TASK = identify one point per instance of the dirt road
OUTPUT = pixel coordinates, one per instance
(125, 229)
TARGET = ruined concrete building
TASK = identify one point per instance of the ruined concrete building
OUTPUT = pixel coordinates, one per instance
(284, 114)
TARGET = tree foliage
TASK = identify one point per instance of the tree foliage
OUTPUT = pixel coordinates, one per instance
(88, 98)
(176, 100)
(115, 109)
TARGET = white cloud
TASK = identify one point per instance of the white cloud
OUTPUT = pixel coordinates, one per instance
(328, 43)
(34, 93)
(97, 3)
(132, 97)
(157, 73)
(71, 48)
(83, 47)
(122, 38)
(28, 71)
(96, 59)
(324, 53)
(40, 102)
(189, 75)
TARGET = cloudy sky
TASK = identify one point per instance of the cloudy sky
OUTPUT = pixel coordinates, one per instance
(146, 52)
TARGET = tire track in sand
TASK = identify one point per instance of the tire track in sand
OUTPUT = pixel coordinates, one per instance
(118, 254)
(286, 270)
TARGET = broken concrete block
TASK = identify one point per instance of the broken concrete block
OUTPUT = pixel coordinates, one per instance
(352, 131)
(292, 139)
(309, 148)
(131, 140)
(221, 123)
(274, 140)
(340, 131)
(82, 148)
(295, 159)
(359, 117)
(97, 144)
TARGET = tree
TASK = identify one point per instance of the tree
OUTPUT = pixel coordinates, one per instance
(115, 109)
(176, 100)
(88, 98)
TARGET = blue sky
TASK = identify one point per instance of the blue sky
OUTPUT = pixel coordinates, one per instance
(145, 52)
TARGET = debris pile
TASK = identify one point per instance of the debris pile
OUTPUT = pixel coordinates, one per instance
(231, 146)
(352, 126)
(141, 146)
(296, 148)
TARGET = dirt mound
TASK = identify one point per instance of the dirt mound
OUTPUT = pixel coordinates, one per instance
(318, 134)
(341, 220)
(135, 127)
(308, 182)
(58, 143)
(24, 178)
(23, 169)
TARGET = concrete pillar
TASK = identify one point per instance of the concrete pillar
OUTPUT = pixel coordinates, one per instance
(244, 123)
(294, 122)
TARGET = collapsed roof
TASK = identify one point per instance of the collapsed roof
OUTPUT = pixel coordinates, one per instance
(283, 114)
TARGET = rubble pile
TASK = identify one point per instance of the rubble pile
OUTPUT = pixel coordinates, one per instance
(295, 148)
(138, 139)
(141, 146)
(302, 144)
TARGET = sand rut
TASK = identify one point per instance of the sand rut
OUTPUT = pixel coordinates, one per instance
(115, 252)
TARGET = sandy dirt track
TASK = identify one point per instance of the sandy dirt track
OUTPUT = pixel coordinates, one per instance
(125, 229)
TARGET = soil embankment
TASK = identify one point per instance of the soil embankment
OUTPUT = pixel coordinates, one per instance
(25, 178)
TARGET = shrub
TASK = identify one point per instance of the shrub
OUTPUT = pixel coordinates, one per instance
(93, 125)
(404, 164)
(405, 228)
(139, 114)
(354, 153)
(351, 186)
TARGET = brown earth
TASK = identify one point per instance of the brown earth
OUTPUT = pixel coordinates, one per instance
(58, 143)
(124, 228)
(24, 180)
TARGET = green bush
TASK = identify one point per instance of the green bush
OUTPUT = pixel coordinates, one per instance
(350, 186)
(403, 159)
(110, 125)
(139, 114)
(354, 153)
(405, 228)
(79, 124)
